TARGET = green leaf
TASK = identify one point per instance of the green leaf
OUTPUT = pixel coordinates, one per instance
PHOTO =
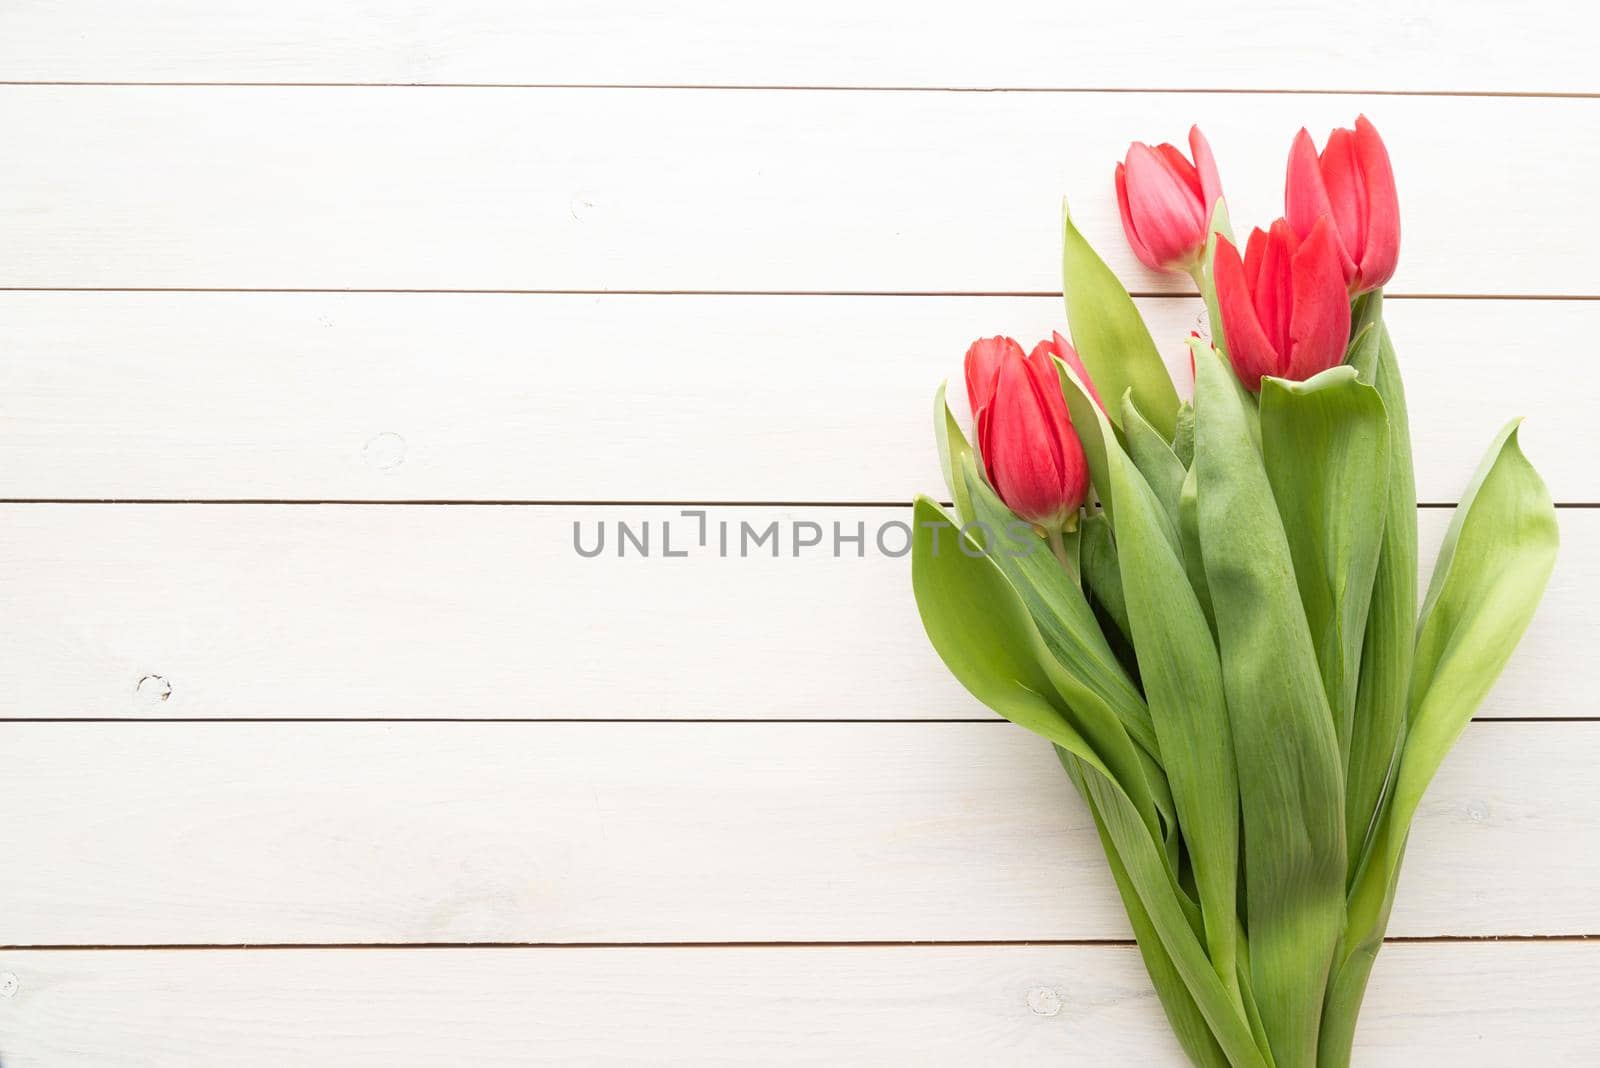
(1381, 701)
(1097, 559)
(1325, 444)
(1205, 277)
(1086, 422)
(1290, 785)
(1183, 685)
(985, 636)
(1189, 534)
(1154, 458)
(982, 629)
(1111, 338)
(1188, 1022)
(1183, 439)
(953, 450)
(1378, 727)
(1492, 570)
(1493, 566)
(1057, 605)
(1146, 871)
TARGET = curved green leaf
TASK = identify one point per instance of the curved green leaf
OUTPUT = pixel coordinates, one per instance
(1097, 559)
(1194, 564)
(1325, 445)
(1493, 566)
(1492, 569)
(1378, 725)
(1154, 458)
(1205, 277)
(1183, 439)
(1187, 1021)
(1059, 609)
(953, 449)
(985, 634)
(1145, 870)
(1086, 423)
(1111, 338)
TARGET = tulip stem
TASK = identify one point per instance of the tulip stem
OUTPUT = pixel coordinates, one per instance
(1058, 546)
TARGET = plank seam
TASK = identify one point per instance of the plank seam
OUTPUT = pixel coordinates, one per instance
(916, 293)
(448, 502)
(685, 720)
(1023, 943)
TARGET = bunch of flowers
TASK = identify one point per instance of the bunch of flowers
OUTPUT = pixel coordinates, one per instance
(1219, 631)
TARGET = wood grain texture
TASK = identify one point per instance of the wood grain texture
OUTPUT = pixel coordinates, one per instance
(193, 832)
(152, 834)
(583, 397)
(1245, 44)
(1486, 1005)
(623, 189)
(283, 611)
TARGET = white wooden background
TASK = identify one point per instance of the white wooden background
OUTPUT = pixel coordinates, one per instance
(320, 325)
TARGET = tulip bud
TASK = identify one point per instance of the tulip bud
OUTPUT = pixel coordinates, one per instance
(1167, 202)
(1284, 310)
(1352, 183)
(1031, 453)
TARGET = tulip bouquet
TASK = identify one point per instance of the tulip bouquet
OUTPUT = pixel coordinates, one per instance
(1210, 607)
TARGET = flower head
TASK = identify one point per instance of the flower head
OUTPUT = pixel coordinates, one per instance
(1167, 201)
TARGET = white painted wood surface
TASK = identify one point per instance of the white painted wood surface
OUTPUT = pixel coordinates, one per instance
(1242, 44)
(284, 611)
(675, 398)
(230, 833)
(672, 190)
(1470, 1006)
(804, 264)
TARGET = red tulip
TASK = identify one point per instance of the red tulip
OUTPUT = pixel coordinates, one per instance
(1030, 451)
(1351, 183)
(1284, 310)
(1167, 201)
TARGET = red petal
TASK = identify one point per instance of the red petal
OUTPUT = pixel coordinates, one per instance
(1253, 251)
(1060, 346)
(1023, 451)
(1248, 349)
(1181, 169)
(1382, 249)
(983, 361)
(1305, 197)
(1273, 294)
(1320, 327)
(1164, 210)
(1206, 164)
(1347, 196)
(1047, 386)
(1066, 449)
(1135, 242)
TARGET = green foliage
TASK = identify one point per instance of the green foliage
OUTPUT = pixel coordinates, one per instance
(1231, 665)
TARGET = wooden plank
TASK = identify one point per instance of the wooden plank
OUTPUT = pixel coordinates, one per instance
(418, 612)
(568, 397)
(596, 189)
(1252, 44)
(152, 834)
(1485, 1005)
